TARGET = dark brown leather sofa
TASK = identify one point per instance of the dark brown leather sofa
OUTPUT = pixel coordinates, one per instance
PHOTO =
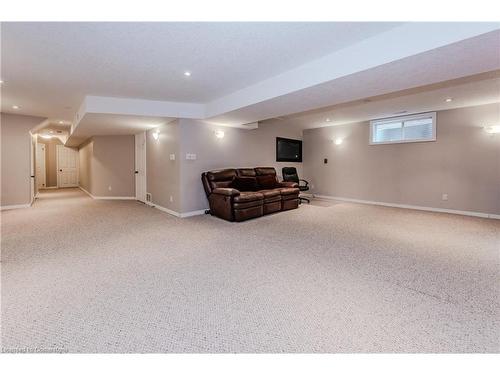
(231, 204)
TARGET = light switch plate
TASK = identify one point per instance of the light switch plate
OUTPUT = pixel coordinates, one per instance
(172, 156)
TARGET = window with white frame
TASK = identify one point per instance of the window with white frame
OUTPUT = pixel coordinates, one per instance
(404, 129)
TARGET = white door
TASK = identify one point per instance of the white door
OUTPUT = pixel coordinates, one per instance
(40, 166)
(67, 167)
(32, 166)
(140, 167)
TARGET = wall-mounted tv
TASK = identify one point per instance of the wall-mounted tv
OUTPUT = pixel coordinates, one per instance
(288, 150)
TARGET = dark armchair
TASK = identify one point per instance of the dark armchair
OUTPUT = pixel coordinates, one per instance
(290, 175)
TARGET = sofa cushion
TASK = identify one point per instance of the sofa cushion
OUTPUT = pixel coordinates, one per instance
(244, 183)
(221, 178)
(270, 193)
(289, 191)
(246, 172)
(247, 196)
(267, 182)
(262, 171)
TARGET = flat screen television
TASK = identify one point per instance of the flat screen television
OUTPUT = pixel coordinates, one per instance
(288, 150)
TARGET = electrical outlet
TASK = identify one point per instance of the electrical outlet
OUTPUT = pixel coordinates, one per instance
(172, 156)
(171, 199)
(109, 188)
(444, 197)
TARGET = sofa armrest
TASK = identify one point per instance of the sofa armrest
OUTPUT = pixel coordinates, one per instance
(221, 202)
(288, 184)
(226, 191)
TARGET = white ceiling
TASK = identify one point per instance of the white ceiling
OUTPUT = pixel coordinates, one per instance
(471, 91)
(108, 124)
(122, 78)
(49, 68)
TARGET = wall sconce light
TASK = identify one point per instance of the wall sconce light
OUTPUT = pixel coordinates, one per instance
(338, 141)
(156, 134)
(495, 129)
(219, 134)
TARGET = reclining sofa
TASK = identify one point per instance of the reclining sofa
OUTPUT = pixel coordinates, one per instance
(245, 193)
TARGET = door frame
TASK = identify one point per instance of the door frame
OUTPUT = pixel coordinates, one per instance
(58, 147)
(43, 147)
(140, 137)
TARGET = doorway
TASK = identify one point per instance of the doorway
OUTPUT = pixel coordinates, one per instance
(67, 167)
(140, 167)
(40, 166)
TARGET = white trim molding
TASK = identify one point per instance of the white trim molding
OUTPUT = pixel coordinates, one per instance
(192, 213)
(181, 215)
(107, 198)
(411, 207)
(15, 206)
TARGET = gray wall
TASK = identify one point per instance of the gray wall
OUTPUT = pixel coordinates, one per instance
(464, 162)
(16, 142)
(238, 148)
(181, 179)
(108, 161)
(85, 159)
(163, 174)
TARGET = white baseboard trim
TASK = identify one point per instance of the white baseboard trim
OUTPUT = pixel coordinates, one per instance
(192, 213)
(410, 207)
(181, 215)
(86, 192)
(115, 198)
(15, 206)
(110, 198)
(48, 187)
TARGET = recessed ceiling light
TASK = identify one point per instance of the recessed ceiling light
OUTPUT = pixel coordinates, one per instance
(51, 131)
(448, 100)
(60, 122)
(15, 107)
(187, 74)
(327, 120)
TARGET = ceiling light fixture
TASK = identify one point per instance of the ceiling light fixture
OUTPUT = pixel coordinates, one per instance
(61, 122)
(328, 120)
(156, 134)
(1, 81)
(494, 129)
(187, 74)
(46, 136)
(15, 107)
(219, 134)
(338, 141)
(448, 100)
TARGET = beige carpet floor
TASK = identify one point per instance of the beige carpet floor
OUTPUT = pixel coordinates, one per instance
(83, 275)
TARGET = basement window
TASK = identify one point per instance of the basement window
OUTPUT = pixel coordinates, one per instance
(404, 129)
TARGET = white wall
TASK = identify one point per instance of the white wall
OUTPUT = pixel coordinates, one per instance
(464, 162)
(181, 179)
(108, 162)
